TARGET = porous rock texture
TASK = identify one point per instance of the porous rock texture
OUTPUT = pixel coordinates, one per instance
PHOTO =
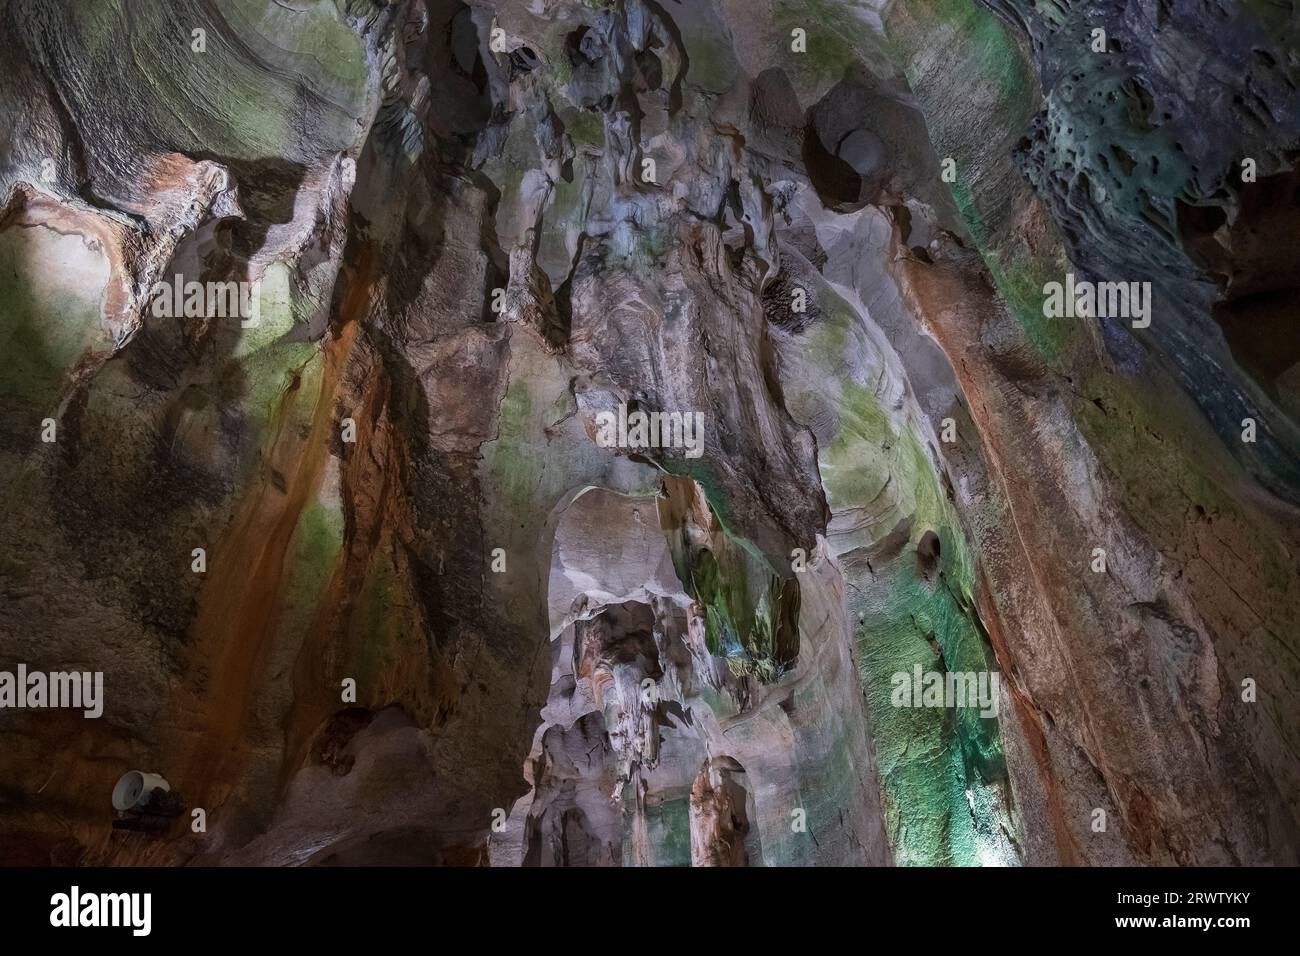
(438, 621)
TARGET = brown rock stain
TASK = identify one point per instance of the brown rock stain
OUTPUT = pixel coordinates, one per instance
(240, 601)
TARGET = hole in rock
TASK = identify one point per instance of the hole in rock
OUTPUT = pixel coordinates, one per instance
(927, 553)
(583, 47)
(650, 72)
(328, 749)
(523, 60)
(1253, 258)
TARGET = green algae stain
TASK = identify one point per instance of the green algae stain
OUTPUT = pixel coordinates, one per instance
(928, 757)
(997, 55)
(322, 46)
(948, 44)
(667, 831)
(514, 463)
(943, 774)
(970, 212)
(48, 319)
(850, 465)
(37, 353)
(965, 45)
(270, 379)
(585, 128)
(751, 613)
(836, 41)
(244, 95)
(699, 471)
(1020, 279)
(317, 544)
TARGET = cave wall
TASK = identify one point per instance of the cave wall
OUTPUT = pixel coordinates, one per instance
(437, 621)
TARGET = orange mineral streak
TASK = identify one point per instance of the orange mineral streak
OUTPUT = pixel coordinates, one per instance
(316, 692)
(240, 602)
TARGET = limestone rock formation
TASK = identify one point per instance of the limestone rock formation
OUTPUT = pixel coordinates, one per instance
(636, 432)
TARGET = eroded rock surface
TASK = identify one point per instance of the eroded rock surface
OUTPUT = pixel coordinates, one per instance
(369, 583)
